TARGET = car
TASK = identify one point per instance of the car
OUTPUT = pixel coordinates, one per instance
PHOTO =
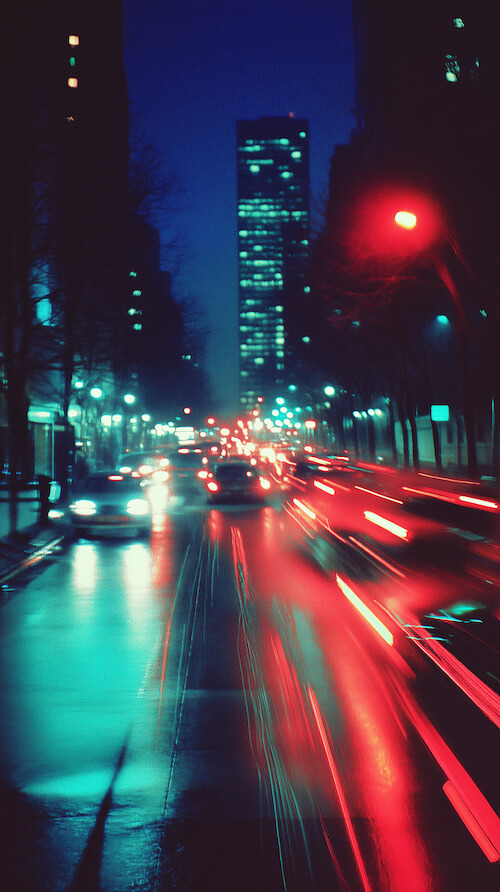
(140, 464)
(109, 503)
(186, 466)
(236, 481)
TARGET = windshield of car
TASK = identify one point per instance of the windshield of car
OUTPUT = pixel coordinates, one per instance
(135, 460)
(185, 459)
(233, 471)
(111, 483)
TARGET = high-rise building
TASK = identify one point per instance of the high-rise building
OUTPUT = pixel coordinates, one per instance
(273, 247)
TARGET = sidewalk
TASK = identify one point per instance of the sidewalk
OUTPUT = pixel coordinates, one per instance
(32, 540)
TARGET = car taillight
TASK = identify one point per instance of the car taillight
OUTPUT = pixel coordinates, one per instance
(264, 483)
(212, 486)
(203, 474)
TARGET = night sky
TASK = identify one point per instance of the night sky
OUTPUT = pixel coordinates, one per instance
(194, 67)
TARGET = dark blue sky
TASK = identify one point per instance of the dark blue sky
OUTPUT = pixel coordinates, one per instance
(194, 67)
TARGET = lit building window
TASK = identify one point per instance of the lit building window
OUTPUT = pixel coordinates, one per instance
(74, 40)
(459, 23)
(72, 61)
(73, 82)
(137, 326)
(136, 293)
(452, 68)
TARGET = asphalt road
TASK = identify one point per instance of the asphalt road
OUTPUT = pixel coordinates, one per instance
(208, 710)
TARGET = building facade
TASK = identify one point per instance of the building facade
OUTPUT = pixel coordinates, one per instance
(273, 247)
(64, 143)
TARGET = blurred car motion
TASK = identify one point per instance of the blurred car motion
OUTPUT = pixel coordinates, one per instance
(236, 481)
(333, 501)
(109, 504)
(139, 464)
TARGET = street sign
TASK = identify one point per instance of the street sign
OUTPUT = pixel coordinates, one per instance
(440, 413)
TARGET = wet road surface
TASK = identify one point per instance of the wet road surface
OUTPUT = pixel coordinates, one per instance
(209, 711)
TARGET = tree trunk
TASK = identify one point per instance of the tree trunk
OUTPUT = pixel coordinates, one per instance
(392, 431)
(414, 433)
(404, 431)
(437, 445)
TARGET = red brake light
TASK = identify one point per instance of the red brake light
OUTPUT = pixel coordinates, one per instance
(115, 477)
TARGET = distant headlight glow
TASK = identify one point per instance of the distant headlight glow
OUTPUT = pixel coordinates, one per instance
(55, 514)
(125, 469)
(83, 507)
(160, 476)
(137, 507)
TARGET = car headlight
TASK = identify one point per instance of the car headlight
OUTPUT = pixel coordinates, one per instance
(160, 476)
(55, 514)
(83, 507)
(125, 469)
(137, 507)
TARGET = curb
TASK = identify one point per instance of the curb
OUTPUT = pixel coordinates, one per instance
(34, 551)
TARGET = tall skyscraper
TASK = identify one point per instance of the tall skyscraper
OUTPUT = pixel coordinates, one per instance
(273, 247)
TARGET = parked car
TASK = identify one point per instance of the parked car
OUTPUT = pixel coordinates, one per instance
(236, 481)
(108, 503)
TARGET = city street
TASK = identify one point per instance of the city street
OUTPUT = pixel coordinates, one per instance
(208, 710)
